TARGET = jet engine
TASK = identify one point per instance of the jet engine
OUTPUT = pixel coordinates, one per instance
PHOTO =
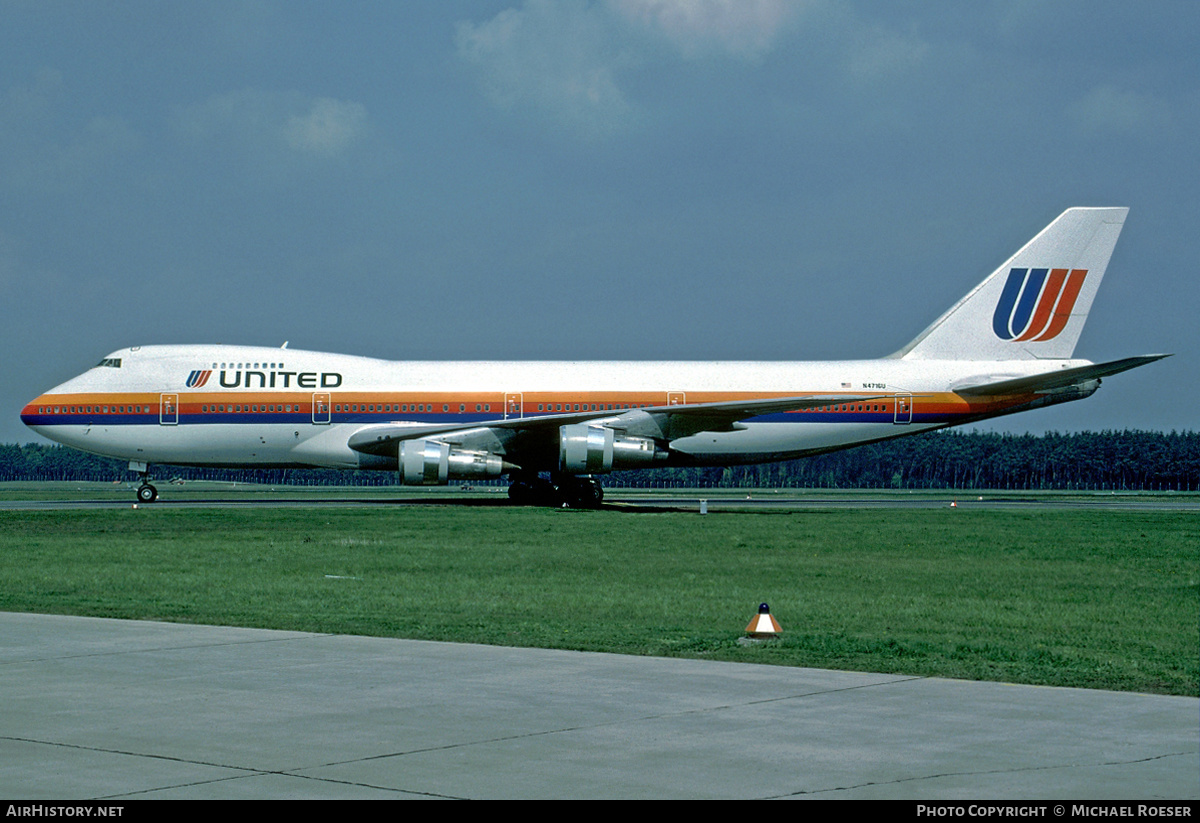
(434, 463)
(589, 449)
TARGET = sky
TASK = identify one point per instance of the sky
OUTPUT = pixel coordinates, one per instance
(614, 179)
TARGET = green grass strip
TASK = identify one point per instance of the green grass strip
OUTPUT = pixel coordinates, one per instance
(1094, 599)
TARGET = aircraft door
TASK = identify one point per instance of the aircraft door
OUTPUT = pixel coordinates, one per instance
(168, 410)
(513, 406)
(676, 398)
(320, 408)
(903, 409)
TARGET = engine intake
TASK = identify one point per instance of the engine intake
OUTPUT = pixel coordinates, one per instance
(434, 463)
(588, 449)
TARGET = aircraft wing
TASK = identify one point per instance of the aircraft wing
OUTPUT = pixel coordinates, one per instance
(667, 421)
(1050, 381)
(687, 419)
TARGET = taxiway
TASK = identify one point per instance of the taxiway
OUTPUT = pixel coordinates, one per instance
(123, 710)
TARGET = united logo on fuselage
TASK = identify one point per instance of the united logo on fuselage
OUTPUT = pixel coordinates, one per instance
(1036, 303)
(198, 378)
(233, 379)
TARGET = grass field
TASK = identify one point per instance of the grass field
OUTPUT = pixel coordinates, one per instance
(1094, 599)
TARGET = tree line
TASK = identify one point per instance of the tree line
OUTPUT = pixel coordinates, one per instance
(1108, 460)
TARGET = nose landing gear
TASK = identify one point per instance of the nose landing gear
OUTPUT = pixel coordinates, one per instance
(146, 492)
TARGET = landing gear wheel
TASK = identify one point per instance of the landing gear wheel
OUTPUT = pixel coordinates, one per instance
(589, 493)
(559, 491)
(578, 492)
(530, 490)
(521, 494)
(147, 493)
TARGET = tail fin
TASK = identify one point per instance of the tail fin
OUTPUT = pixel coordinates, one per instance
(1035, 305)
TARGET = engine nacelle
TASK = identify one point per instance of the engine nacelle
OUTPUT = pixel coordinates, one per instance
(433, 463)
(588, 449)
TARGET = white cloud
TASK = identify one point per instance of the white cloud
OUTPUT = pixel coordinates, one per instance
(575, 62)
(746, 29)
(274, 124)
(243, 115)
(571, 62)
(1111, 109)
(328, 128)
(876, 52)
(557, 58)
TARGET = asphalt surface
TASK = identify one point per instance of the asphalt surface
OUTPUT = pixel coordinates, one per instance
(121, 710)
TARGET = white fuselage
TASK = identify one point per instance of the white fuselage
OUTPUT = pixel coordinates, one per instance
(248, 406)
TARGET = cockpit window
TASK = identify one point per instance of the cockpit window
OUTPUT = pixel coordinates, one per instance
(110, 362)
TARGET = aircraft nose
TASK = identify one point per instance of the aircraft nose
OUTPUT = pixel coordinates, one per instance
(34, 412)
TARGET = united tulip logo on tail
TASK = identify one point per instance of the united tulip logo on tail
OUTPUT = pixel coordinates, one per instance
(1036, 303)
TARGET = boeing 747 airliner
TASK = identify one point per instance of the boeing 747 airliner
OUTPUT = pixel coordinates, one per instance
(552, 427)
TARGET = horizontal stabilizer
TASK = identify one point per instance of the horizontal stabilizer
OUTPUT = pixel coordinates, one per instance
(1055, 379)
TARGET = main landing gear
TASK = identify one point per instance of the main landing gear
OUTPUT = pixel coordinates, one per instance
(560, 491)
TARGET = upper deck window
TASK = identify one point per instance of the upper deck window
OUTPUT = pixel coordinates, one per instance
(110, 362)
